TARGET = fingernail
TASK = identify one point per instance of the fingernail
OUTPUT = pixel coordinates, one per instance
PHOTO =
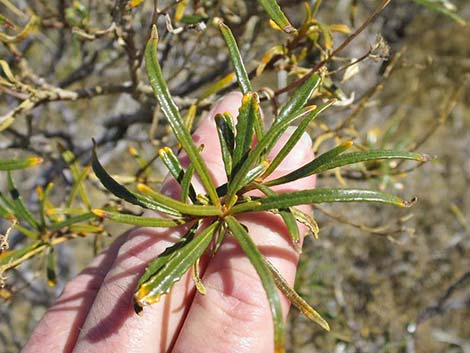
(299, 155)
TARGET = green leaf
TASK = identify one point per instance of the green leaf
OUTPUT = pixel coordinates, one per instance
(441, 6)
(10, 256)
(10, 206)
(287, 217)
(43, 196)
(173, 164)
(259, 263)
(186, 186)
(179, 262)
(240, 71)
(184, 208)
(85, 229)
(299, 99)
(295, 138)
(32, 234)
(172, 114)
(311, 167)
(217, 86)
(21, 211)
(77, 176)
(138, 220)
(307, 197)
(346, 159)
(123, 193)
(19, 163)
(246, 118)
(254, 173)
(5, 213)
(225, 131)
(78, 187)
(70, 221)
(261, 147)
(364, 156)
(274, 11)
(165, 256)
(296, 299)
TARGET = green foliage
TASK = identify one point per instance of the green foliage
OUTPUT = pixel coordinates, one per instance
(247, 169)
(208, 216)
(442, 6)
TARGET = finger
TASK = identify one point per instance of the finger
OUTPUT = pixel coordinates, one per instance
(71, 308)
(234, 315)
(112, 325)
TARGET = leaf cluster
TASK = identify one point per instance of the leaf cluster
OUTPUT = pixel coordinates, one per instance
(213, 215)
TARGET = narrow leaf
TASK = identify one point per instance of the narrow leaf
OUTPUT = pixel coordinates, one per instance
(175, 266)
(77, 176)
(307, 197)
(296, 299)
(364, 156)
(225, 131)
(20, 207)
(307, 220)
(184, 208)
(295, 138)
(299, 98)
(311, 167)
(8, 257)
(287, 217)
(138, 220)
(246, 118)
(19, 163)
(254, 173)
(261, 147)
(70, 221)
(176, 170)
(6, 213)
(86, 229)
(123, 193)
(274, 11)
(240, 71)
(217, 86)
(186, 186)
(163, 258)
(32, 234)
(78, 187)
(172, 114)
(197, 278)
(278, 50)
(440, 6)
(259, 263)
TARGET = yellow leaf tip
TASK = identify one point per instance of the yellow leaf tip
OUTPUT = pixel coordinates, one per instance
(154, 33)
(142, 187)
(98, 212)
(132, 151)
(35, 161)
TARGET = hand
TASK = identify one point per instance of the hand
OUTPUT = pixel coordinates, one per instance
(95, 312)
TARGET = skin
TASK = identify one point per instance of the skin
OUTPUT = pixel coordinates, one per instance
(95, 313)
